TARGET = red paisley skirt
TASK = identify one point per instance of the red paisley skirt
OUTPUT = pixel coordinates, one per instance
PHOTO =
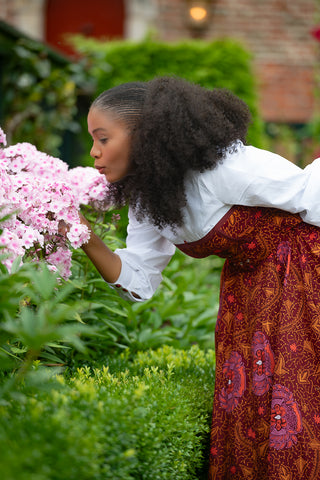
(266, 410)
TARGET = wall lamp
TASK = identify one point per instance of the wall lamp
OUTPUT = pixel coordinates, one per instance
(198, 14)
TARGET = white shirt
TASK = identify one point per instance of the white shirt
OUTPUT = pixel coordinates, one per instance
(249, 177)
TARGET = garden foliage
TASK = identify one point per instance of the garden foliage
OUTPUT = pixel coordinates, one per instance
(182, 312)
(146, 419)
(37, 320)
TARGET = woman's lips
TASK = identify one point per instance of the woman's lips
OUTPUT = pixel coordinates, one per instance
(100, 169)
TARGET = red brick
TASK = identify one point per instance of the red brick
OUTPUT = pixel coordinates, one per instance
(278, 34)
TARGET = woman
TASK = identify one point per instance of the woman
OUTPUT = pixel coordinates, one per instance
(176, 153)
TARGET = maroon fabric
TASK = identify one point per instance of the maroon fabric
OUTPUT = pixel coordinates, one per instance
(266, 410)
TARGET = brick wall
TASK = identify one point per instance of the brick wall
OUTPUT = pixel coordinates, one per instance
(25, 15)
(277, 32)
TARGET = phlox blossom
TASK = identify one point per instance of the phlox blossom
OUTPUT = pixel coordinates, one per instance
(11, 247)
(38, 193)
(90, 186)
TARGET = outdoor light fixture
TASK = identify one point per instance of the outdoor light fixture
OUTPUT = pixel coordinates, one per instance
(198, 13)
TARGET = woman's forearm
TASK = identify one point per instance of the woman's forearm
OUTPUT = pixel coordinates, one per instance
(106, 262)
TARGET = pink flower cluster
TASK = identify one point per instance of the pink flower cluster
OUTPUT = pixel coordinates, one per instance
(39, 194)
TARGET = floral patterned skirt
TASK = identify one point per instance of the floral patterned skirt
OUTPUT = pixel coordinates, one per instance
(266, 410)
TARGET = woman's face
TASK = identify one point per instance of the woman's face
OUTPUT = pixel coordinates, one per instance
(111, 144)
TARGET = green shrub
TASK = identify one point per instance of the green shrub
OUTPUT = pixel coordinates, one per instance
(38, 320)
(221, 63)
(145, 419)
(182, 312)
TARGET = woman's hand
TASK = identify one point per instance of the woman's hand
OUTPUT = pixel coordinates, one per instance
(106, 262)
(63, 228)
(84, 221)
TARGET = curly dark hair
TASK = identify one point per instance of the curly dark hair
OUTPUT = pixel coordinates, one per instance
(176, 127)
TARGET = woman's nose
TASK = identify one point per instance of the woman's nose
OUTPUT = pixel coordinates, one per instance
(94, 152)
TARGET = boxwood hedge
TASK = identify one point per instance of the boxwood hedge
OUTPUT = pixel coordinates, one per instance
(142, 418)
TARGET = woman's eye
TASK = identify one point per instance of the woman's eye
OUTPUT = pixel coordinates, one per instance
(103, 140)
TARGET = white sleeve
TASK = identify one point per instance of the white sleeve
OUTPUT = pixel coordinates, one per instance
(146, 254)
(256, 177)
